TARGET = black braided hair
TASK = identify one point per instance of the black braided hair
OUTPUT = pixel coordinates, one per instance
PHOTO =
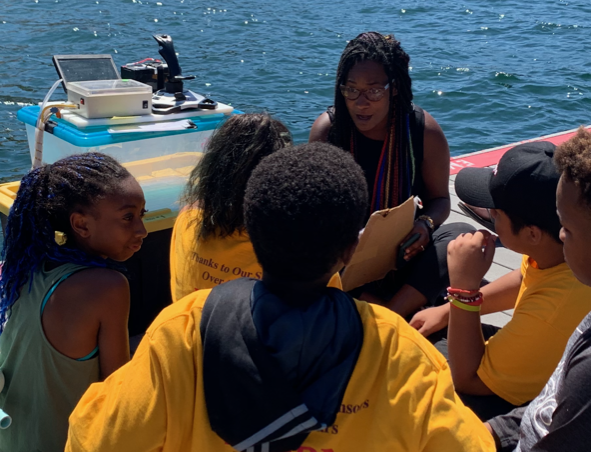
(218, 181)
(46, 198)
(385, 49)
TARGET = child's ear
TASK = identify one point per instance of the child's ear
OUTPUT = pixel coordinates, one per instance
(80, 224)
(535, 235)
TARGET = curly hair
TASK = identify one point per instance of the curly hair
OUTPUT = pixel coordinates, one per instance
(573, 160)
(46, 198)
(303, 207)
(218, 181)
(396, 170)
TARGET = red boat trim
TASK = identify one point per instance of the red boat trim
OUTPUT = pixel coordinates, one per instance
(491, 156)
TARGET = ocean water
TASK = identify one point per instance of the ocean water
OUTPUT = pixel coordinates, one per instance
(489, 72)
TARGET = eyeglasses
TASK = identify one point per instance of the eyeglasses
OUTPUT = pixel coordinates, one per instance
(371, 94)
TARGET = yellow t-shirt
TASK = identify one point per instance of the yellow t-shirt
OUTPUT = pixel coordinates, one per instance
(204, 264)
(519, 359)
(400, 396)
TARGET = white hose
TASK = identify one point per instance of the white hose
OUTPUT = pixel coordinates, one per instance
(5, 420)
(40, 128)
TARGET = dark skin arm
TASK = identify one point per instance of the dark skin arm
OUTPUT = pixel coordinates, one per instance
(499, 295)
(435, 172)
(90, 308)
(320, 129)
(469, 257)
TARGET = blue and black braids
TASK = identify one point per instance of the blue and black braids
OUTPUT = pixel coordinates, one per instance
(46, 198)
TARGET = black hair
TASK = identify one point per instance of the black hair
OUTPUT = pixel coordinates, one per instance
(303, 207)
(216, 185)
(46, 198)
(398, 167)
(521, 219)
(573, 160)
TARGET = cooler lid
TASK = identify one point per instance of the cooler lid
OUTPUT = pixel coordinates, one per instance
(106, 87)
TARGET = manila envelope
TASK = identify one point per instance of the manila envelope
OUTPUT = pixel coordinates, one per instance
(378, 245)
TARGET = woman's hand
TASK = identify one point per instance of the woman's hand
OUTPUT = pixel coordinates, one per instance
(468, 259)
(421, 228)
(429, 321)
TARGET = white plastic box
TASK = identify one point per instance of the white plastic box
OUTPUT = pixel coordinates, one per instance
(108, 98)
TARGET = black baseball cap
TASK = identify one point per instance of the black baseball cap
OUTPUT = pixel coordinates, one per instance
(523, 183)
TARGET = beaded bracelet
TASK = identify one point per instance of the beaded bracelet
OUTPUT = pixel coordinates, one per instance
(467, 300)
(474, 301)
(462, 291)
(463, 306)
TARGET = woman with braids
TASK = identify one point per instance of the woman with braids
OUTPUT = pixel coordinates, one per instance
(209, 241)
(403, 152)
(63, 304)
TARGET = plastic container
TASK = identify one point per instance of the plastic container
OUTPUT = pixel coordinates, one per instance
(163, 180)
(107, 98)
(62, 138)
(161, 160)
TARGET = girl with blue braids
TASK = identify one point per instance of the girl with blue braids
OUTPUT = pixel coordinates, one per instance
(403, 152)
(63, 304)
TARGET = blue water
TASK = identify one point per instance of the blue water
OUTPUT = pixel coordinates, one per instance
(490, 72)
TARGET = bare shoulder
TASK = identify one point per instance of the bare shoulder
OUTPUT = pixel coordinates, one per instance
(435, 168)
(435, 143)
(430, 122)
(104, 278)
(433, 133)
(320, 128)
(100, 288)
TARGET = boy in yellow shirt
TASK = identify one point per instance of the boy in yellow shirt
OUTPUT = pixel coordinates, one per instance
(558, 418)
(286, 363)
(508, 367)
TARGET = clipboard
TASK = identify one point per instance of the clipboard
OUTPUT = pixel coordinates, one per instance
(376, 252)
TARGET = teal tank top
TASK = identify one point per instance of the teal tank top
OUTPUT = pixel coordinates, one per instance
(42, 385)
